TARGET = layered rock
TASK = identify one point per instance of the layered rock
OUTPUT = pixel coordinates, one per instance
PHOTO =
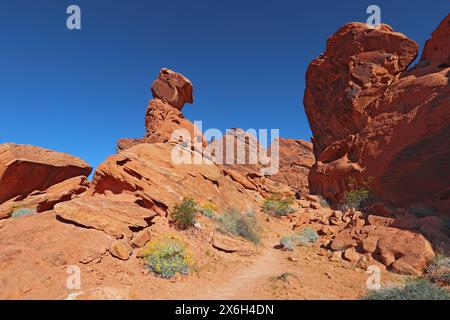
(164, 120)
(240, 156)
(155, 173)
(295, 160)
(37, 178)
(374, 120)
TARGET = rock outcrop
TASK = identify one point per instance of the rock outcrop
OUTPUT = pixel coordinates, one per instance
(151, 172)
(372, 119)
(164, 120)
(295, 160)
(37, 178)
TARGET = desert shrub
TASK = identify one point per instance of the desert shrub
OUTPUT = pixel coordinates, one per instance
(184, 213)
(355, 198)
(287, 243)
(358, 194)
(23, 212)
(279, 205)
(208, 209)
(323, 202)
(167, 257)
(421, 211)
(418, 289)
(238, 224)
(438, 270)
(304, 238)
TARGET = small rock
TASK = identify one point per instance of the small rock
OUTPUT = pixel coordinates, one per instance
(315, 205)
(121, 250)
(141, 238)
(351, 255)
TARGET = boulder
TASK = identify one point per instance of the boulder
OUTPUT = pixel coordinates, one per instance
(228, 244)
(375, 122)
(25, 168)
(40, 201)
(173, 88)
(402, 251)
(120, 249)
(116, 218)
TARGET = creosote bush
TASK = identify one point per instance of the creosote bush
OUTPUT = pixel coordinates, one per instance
(279, 205)
(358, 194)
(184, 213)
(418, 289)
(306, 237)
(243, 225)
(167, 257)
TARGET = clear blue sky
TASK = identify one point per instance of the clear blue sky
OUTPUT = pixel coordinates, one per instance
(80, 91)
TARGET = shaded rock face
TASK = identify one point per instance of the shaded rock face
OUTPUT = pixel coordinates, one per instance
(296, 159)
(171, 91)
(372, 119)
(33, 177)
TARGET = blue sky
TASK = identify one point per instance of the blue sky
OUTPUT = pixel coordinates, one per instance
(80, 91)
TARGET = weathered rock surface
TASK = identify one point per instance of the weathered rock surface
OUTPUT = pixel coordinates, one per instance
(371, 118)
(116, 218)
(173, 88)
(295, 160)
(164, 120)
(41, 201)
(228, 244)
(149, 172)
(38, 178)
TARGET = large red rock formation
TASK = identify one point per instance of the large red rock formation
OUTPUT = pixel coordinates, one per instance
(373, 119)
(37, 178)
(171, 91)
(296, 159)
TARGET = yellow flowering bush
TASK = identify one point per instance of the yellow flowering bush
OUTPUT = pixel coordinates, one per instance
(167, 257)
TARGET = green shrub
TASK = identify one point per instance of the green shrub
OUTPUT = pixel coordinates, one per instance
(184, 213)
(355, 198)
(279, 205)
(167, 257)
(304, 238)
(23, 212)
(418, 289)
(323, 202)
(438, 270)
(242, 225)
(287, 243)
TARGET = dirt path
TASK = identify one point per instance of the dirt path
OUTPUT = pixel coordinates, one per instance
(241, 286)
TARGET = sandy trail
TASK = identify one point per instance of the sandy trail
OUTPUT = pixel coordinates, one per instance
(241, 285)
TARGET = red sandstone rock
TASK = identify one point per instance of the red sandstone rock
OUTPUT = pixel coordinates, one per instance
(149, 172)
(172, 88)
(437, 48)
(373, 119)
(295, 160)
(33, 177)
(164, 120)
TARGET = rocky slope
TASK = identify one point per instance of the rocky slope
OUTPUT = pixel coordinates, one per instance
(374, 120)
